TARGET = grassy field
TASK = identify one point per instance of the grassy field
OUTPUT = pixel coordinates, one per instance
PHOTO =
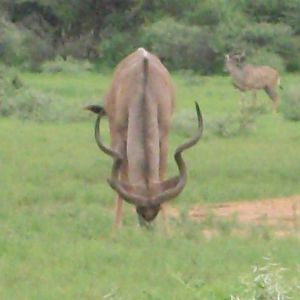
(56, 209)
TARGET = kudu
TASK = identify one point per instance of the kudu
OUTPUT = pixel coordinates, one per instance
(139, 105)
(247, 77)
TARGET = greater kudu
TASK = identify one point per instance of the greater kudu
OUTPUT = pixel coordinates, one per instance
(139, 105)
(247, 77)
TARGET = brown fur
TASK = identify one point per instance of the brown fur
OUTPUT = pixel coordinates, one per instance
(139, 105)
(139, 113)
(251, 78)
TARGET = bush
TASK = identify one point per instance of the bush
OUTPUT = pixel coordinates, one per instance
(184, 122)
(225, 126)
(233, 125)
(267, 283)
(264, 57)
(21, 47)
(263, 34)
(12, 48)
(115, 47)
(291, 103)
(180, 46)
(68, 66)
(17, 100)
(267, 11)
(82, 47)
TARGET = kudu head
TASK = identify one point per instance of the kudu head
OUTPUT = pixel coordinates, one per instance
(147, 200)
(233, 59)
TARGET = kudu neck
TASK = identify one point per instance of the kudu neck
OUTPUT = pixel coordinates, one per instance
(235, 71)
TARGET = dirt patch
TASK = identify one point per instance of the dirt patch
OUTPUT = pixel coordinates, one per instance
(280, 214)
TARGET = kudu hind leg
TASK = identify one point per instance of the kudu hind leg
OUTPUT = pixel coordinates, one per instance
(274, 97)
(254, 98)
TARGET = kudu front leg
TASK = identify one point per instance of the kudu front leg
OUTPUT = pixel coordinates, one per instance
(242, 100)
(123, 175)
(162, 172)
(118, 213)
(254, 99)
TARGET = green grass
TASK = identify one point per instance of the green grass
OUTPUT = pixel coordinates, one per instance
(56, 208)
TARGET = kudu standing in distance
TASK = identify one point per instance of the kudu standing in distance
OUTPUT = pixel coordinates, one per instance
(139, 105)
(251, 78)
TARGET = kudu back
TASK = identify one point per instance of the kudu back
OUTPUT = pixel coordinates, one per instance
(139, 106)
(247, 77)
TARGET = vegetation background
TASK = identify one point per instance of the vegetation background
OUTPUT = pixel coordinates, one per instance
(185, 34)
(56, 209)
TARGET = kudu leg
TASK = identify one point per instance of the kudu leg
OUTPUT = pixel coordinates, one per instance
(254, 98)
(119, 201)
(274, 97)
(118, 213)
(162, 173)
(123, 174)
(242, 100)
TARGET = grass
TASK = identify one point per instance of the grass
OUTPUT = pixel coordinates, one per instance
(56, 209)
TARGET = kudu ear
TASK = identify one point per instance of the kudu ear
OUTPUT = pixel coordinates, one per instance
(94, 108)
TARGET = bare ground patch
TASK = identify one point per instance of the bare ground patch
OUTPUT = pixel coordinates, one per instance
(281, 215)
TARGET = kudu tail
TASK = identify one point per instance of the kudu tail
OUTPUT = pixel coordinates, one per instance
(145, 72)
(95, 109)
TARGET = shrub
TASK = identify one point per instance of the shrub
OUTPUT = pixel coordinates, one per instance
(233, 125)
(82, 47)
(264, 57)
(68, 66)
(291, 103)
(22, 47)
(184, 122)
(180, 46)
(267, 283)
(267, 11)
(225, 126)
(263, 34)
(116, 46)
(12, 48)
(27, 104)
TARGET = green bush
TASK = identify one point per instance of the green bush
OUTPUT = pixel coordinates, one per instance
(68, 66)
(291, 103)
(265, 57)
(114, 48)
(267, 282)
(22, 47)
(184, 122)
(12, 40)
(267, 11)
(17, 100)
(232, 125)
(180, 46)
(263, 34)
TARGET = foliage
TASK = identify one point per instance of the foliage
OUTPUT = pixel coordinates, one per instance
(56, 208)
(66, 66)
(25, 103)
(188, 34)
(180, 46)
(268, 283)
(291, 103)
(115, 47)
(263, 34)
(12, 50)
(264, 57)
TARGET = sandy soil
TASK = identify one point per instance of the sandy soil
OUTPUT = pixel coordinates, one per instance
(281, 214)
